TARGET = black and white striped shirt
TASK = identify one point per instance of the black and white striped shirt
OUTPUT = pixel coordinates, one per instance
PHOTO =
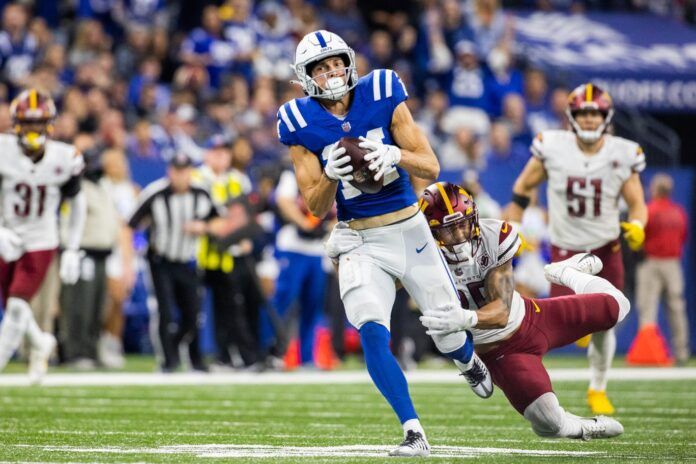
(165, 212)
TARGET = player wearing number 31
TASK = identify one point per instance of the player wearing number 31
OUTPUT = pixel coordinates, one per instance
(587, 171)
(36, 174)
(382, 236)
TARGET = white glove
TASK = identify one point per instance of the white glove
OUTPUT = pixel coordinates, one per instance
(336, 166)
(70, 266)
(448, 319)
(383, 157)
(342, 240)
(11, 246)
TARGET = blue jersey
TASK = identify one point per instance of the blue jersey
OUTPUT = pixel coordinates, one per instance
(305, 122)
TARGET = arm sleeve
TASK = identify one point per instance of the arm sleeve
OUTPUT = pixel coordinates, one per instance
(71, 188)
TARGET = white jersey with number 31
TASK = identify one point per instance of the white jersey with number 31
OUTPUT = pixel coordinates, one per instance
(583, 190)
(31, 192)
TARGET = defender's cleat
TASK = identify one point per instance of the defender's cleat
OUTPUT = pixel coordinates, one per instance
(414, 444)
(599, 403)
(39, 356)
(600, 427)
(583, 262)
(479, 378)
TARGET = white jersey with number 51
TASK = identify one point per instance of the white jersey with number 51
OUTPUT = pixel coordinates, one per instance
(31, 192)
(584, 190)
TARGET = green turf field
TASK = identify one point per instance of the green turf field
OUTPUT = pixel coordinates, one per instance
(325, 423)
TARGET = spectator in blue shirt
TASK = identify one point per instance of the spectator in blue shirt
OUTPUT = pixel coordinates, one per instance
(206, 46)
(468, 80)
(276, 45)
(502, 80)
(18, 46)
(239, 31)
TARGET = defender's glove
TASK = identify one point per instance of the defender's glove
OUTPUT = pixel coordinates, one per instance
(70, 266)
(383, 156)
(342, 240)
(337, 167)
(634, 233)
(448, 319)
(11, 246)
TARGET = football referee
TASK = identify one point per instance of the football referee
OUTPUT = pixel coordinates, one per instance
(175, 213)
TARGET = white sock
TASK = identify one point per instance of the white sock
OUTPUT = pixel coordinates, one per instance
(549, 419)
(413, 424)
(32, 330)
(600, 353)
(12, 329)
(580, 283)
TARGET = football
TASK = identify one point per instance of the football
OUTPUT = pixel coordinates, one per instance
(363, 178)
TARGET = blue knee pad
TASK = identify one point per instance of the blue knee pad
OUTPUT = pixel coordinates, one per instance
(385, 371)
(464, 353)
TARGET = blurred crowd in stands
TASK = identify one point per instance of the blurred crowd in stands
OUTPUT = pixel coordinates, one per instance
(139, 81)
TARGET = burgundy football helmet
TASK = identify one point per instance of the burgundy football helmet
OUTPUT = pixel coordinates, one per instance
(452, 216)
(589, 97)
(32, 113)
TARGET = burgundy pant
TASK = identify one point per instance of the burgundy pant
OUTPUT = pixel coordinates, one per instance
(515, 365)
(610, 254)
(22, 278)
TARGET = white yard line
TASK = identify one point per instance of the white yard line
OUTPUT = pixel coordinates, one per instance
(317, 378)
(275, 452)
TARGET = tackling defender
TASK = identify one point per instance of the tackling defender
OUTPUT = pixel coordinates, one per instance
(587, 171)
(512, 333)
(36, 174)
(386, 236)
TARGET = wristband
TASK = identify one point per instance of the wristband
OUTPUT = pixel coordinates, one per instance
(520, 200)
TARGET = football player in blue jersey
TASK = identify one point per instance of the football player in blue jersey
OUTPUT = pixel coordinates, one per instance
(382, 236)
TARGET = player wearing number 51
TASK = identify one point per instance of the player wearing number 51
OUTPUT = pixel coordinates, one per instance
(385, 235)
(37, 174)
(587, 171)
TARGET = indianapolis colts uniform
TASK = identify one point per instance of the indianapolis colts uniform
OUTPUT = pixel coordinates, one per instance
(405, 250)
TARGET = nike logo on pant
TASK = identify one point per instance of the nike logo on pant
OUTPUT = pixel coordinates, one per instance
(418, 250)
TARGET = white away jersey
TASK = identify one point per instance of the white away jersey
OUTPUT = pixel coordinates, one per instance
(584, 190)
(31, 192)
(499, 243)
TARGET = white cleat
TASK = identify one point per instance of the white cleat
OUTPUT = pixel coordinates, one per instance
(584, 262)
(600, 427)
(39, 356)
(415, 444)
(478, 378)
